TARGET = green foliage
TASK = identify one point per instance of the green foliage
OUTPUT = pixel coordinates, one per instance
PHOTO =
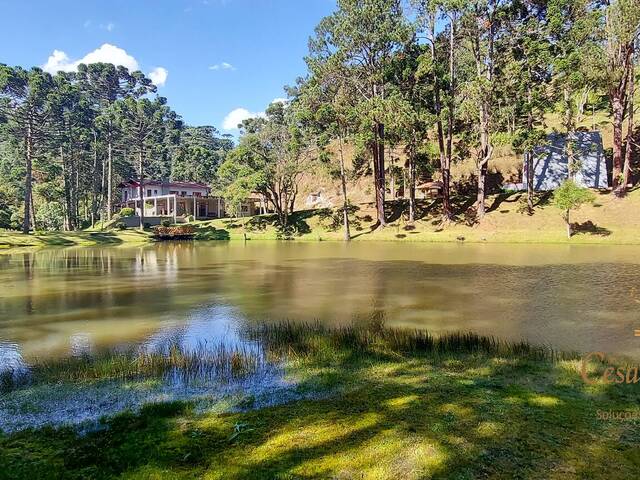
(569, 196)
(50, 216)
(126, 212)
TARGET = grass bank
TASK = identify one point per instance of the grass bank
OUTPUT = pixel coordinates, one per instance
(398, 404)
(607, 221)
(10, 239)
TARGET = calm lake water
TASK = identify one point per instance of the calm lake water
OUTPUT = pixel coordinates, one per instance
(69, 301)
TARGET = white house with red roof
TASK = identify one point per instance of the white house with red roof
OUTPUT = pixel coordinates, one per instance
(176, 200)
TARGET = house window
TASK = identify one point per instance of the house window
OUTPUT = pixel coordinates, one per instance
(184, 194)
(126, 195)
(155, 192)
(197, 194)
(148, 192)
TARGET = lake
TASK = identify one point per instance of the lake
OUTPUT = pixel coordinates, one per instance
(57, 302)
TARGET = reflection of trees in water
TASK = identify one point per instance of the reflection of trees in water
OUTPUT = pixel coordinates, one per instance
(583, 304)
(575, 307)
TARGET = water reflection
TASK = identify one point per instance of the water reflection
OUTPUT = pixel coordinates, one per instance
(72, 301)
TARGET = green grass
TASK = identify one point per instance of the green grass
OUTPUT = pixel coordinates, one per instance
(10, 239)
(396, 404)
(605, 222)
(202, 363)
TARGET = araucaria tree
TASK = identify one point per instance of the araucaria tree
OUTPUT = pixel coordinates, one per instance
(25, 103)
(144, 124)
(104, 85)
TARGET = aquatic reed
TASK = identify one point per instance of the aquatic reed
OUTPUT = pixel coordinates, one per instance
(291, 338)
(267, 344)
(202, 363)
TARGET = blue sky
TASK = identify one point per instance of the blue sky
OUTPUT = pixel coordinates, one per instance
(210, 57)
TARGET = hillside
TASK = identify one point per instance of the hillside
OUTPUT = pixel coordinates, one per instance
(609, 220)
(505, 164)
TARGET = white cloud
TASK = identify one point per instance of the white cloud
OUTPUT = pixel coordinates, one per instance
(159, 76)
(222, 66)
(280, 100)
(107, 53)
(235, 117)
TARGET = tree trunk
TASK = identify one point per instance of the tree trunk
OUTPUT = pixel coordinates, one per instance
(67, 191)
(33, 211)
(446, 171)
(94, 183)
(568, 222)
(345, 201)
(618, 119)
(485, 69)
(412, 186)
(629, 143)
(529, 179)
(444, 159)
(529, 152)
(141, 189)
(378, 172)
(26, 225)
(109, 180)
(486, 151)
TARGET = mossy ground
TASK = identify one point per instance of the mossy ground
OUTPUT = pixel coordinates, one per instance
(385, 414)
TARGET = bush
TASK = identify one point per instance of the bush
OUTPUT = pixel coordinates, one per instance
(146, 225)
(120, 226)
(166, 223)
(126, 212)
(50, 216)
(174, 232)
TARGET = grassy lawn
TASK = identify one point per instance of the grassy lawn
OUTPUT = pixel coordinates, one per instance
(607, 221)
(392, 407)
(13, 239)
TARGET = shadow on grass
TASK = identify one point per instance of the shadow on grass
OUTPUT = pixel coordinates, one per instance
(384, 415)
(590, 228)
(211, 233)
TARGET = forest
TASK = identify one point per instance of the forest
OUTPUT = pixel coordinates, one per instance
(443, 80)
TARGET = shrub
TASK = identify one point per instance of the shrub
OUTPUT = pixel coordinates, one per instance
(174, 232)
(126, 212)
(190, 218)
(146, 225)
(50, 216)
(120, 226)
(166, 223)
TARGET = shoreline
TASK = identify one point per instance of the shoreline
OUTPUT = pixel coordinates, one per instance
(443, 409)
(110, 238)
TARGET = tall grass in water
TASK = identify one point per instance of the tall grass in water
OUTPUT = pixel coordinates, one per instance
(204, 362)
(300, 339)
(279, 341)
